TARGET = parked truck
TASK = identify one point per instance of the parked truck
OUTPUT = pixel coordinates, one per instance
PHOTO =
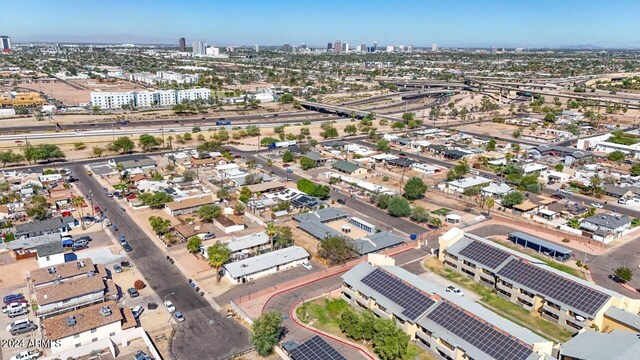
(282, 144)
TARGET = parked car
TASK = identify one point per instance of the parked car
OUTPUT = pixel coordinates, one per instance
(27, 355)
(140, 355)
(23, 328)
(84, 238)
(307, 265)
(25, 320)
(597, 205)
(137, 311)
(341, 201)
(133, 292)
(109, 194)
(123, 240)
(179, 317)
(622, 201)
(127, 247)
(12, 297)
(117, 268)
(79, 246)
(18, 312)
(454, 290)
(107, 222)
(566, 191)
(125, 264)
(169, 305)
(13, 306)
(208, 236)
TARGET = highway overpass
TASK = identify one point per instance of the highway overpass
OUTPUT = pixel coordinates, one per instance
(344, 111)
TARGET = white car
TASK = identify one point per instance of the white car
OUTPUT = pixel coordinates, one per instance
(137, 311)
(27, 355)
(25, 320)
(597, 205)
(566, 191)
(169, 305)
(14, 306)
(307, 265)
(455, 290)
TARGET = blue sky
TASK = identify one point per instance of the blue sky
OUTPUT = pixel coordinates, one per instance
(421, 23)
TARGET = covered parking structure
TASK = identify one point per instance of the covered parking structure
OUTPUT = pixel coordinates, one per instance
(540, 245)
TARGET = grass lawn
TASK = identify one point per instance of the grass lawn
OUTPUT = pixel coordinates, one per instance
(502, 306)
(441, 211)
(324, 314)
(561, 267)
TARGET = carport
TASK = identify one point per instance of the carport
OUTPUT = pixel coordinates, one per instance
(540, 245)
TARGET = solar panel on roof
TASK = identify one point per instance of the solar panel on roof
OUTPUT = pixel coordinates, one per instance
(410, 299)
(555, 287)
(315, 349)
(484, 254)
(496, 344)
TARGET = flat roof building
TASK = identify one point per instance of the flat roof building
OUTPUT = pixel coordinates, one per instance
(446, 324)
(265, 264)
(559, 297)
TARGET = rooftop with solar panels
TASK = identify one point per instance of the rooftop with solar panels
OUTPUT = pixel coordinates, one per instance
(530, 282)
(450, 318)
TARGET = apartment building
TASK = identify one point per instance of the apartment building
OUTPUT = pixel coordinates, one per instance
(115, 100)
(557, 296)
(443, 323)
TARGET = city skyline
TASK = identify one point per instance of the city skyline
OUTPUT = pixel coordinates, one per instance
(486, 24)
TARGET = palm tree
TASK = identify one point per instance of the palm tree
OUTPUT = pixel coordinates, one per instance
(489, 204)
(78, 201)
(270, 165)
(271, 232)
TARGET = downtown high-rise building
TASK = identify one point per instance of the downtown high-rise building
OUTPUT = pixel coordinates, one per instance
(256, 48)
(329, 46)
(5, 43)
(199, 48)
(182, 44)
(337, 46)
(345, 47)
(363, 47)
(374, 48)
(410, 48)
(287, 48)
(434, 47)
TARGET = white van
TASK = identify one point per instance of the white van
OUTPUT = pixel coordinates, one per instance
(25, 320)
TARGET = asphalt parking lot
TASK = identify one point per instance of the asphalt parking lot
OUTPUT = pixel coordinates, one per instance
(12, 345)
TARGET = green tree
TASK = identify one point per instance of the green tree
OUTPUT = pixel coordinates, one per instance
(253, 130)
(288, 156)
(149, 142)
(306, 163)
(414, 188)
(218, 254)
(408, 116)
(383, 200)
(97, 151)
(223, 193)
(209, 212)
(193, 244)
(159, 225)
(623, 274)
(513, 198)
(46, 152)
(491, 145)
(389, 341)
(286, 99)
(419, 214)
(517, 133)
(399, 207)
(123, 144)
(458, 171)
(383, 145)
(351, 129)
(490, 203)
(155, 200)
(574, 223)
(266, 141)
(435, 222)
(559, 167)
(336, 250)
(351, 324)
(635, 169)
(79, 145)
(617, 156)
(267, 332)
(78, 202)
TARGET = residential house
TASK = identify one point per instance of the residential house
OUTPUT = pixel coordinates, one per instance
(187, 206)
(71, 293)
(496, 190)
(65, 271)
(87, 325)
(461, 185)
(349, 168)
(49, 254)
(426, 168)
(227, 225)
(569, 155)
(59, 224)
(606, 227)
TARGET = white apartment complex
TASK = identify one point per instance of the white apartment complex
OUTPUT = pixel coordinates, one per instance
(164, 77)
(115, 100)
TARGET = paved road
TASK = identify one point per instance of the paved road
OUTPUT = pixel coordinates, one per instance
(206, 334)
